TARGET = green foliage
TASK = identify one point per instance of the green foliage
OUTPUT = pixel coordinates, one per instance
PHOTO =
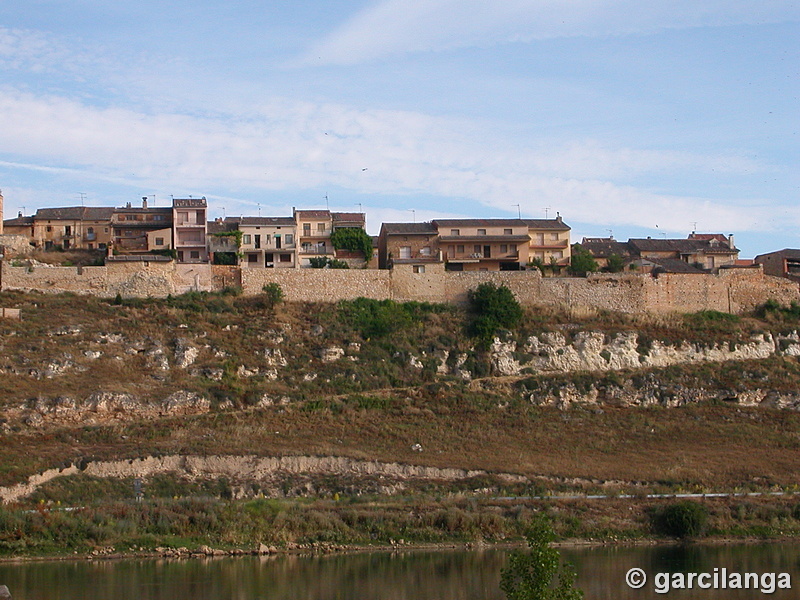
(582, 261)
(685, 519)
(353, 239)
(771, 310)
(537, 263)
(713, 321)
(234, 234)
(539, 574)
(614, 264)
(273, 294)
(168, 252)
(323, 262)
(225, 258)
(493, 308)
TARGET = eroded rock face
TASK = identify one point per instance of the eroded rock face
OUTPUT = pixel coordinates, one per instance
(185, 353)
(331, 354)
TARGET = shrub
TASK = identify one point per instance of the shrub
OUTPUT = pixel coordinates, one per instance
(582, 262)
(686, 519)
(273, 293)
(323, 262)
(493, 307)
(353, 239)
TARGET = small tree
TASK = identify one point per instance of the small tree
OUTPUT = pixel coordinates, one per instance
(353, 239)
(685, 519)
(615, 264)
(582, 261)
(494, 307)
(539, 573)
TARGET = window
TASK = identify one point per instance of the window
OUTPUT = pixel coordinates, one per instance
(425, 251)
(455, 232)
(460, 248)
(481, 232)
(405, 251)
(68, 230)
(419, 268)
(269, 257)
(90, 231)
(246, 238)
(476, 249)
(507, 232)
(320, 227)
(158, 217)
(159, 241)
(252, 258)
(286, 258)
(503, 248)
(306, 228)
(49, 228)
(558, 254)
(288, 239)
(195, 254)
(554, 237)
(91, 246)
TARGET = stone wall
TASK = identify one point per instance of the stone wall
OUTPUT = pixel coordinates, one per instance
(734, 290)
(320, 285)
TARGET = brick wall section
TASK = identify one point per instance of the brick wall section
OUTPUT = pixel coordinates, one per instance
(735, 290)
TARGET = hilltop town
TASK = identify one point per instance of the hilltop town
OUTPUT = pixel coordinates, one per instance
(155, 251)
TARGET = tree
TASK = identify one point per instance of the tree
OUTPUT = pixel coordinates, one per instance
(582, 261)
(539, 573)
(615, 264)
(493, 307)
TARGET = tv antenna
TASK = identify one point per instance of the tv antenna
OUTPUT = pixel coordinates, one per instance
(546, 210)
(83, 197)
(414, 214)
(519, 211)
(327, 206)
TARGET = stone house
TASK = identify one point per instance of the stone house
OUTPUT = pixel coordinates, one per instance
(706, 252)
(267, 242)
(484, 244)
(71, 227)
(602, 249)
(408, 243)
(781, 263)
(313, 234)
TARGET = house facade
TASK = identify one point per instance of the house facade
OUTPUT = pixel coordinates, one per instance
(138, 230)
(189, 221)
(550, 241)
(267, 242)
(73, 227)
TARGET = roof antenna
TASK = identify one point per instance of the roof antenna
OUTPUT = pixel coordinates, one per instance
(519, 211)
(259, 209)
(326, 202)
(83, 197)
(414, 214)
(546, 210)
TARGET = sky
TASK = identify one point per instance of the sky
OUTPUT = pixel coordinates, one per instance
(629, 119)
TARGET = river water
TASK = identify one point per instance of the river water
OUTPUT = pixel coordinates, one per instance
(421, 575)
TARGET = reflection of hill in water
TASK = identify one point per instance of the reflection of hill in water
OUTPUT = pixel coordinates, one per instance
(446, 575)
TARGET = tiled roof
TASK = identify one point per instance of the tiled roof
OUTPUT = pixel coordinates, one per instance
(605, 247)
(409, 229)
(674, 265)
(792, 253)
(313, 214)
(18, 222)
(340, 217)
(556, 224)
(479, 223)
(266, 221)
(679, 246)
(76, 213)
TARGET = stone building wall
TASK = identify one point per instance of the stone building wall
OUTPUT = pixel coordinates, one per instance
(55, 280)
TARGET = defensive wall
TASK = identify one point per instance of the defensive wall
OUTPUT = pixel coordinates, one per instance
(734, 290)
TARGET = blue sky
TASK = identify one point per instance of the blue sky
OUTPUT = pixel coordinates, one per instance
(638, 118)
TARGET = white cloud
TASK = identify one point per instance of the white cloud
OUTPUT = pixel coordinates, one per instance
(393, 27)
(288, 146)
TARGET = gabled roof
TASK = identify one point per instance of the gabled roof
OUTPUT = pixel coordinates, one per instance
(18, 222)
(555, 224)
(76, 213)
(674, 265)
(408, 229)
(790, 253)
(340, 218)
(688, 246)
(266, 221)
(313, 214)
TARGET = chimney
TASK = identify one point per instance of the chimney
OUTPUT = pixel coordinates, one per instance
(731, 243)
(144, 201)
(19, 215)
(558, 217)
(127, 205)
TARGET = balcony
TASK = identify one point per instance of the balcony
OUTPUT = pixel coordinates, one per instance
(549, 245)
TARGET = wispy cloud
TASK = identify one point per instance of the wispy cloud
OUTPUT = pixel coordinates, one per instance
(392, 27)
(289, 146)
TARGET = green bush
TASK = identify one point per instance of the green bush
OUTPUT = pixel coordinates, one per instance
(273, 293)
(353, 239)
(493, 308)
(582, 262)
(685, 519)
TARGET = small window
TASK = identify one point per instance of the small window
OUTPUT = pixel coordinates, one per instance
(306, 228)
(481, 232)
(558, 254)
(159, 241)
(288, 239)
(320, 227)
(425, 251)
(405, 251)
(476, 249)
(455, 232)
(195, 254)
(419, 268)
(507, 232)
(246, 238)
(158, 217)
(252, 258)
(554, 237)
(49, 228)
(91, 246)
(286, 258)
(90, 231)
(460, 248)
(503, 248)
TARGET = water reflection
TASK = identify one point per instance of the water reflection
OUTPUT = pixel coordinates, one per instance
(446, 575)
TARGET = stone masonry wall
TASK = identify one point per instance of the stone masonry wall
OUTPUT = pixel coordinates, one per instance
(736, 290)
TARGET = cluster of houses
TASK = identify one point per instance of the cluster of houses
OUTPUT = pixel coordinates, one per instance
(184, 232)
